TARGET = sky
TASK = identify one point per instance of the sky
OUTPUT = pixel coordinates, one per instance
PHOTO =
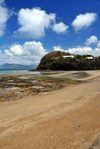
(29, 29)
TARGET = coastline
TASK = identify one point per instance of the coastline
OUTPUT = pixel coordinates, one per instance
(14, 86)
(17, 86)
(65, 118)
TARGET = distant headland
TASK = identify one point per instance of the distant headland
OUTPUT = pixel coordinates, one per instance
(16, 66)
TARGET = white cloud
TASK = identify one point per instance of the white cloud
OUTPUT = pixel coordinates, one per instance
(28, 53)
(58, 48)
(79, 50)
(84, 21)
(98, 45)
(60, 27)
(5, 14)
(0, 53)
(16, 50)
(96, 52)
(92, 39)
(8, 53)
(33, 23)
(3, 18)
(85, 50)
(34, 48)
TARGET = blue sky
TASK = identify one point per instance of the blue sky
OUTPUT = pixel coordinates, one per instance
(29, 29)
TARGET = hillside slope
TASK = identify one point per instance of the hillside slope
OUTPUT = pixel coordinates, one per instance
(56, 61)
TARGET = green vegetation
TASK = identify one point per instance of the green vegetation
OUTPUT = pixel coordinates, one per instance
(56, 61)
(57, 80)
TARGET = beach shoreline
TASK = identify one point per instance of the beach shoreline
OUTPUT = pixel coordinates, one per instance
(16, 86)
(67, 118)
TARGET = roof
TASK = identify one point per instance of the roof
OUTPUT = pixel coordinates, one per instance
(68, 56)
(89, 57)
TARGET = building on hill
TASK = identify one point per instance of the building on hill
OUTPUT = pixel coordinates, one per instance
(68, 56)
(89, 58)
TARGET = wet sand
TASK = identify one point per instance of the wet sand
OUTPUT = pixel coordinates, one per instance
(68, 118)
(75, 75)
(16, 87)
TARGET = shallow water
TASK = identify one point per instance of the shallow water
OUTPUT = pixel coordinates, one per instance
(24, 78)
(20, 72)
(12, 88)
(37, 87)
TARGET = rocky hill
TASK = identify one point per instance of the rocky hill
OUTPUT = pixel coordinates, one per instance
(58, 60)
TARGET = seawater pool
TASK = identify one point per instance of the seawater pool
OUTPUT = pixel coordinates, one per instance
(20, 72)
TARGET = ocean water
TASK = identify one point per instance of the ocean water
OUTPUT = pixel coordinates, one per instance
(19, 72)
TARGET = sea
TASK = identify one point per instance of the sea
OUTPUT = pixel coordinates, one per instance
(19, 72)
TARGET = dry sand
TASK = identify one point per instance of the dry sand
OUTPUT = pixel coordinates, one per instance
(68, 118)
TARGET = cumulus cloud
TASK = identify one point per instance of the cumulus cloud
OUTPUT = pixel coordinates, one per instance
(33, 23)
(79, 50)
(29, 52)
(35, 48)
(3, 17)
(58, 48)
(92, 39)
(85, 50)
(98, 45)
(5, 14)
(17, 50)
(8, 53)
(60, 27)
(84, 21)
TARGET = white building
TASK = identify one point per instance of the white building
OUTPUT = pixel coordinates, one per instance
(89, 58)
(68, 56)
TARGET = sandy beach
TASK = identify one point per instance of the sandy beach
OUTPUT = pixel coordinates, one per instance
(68, 118)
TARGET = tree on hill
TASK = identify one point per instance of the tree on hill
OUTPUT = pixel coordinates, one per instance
(55, 61)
